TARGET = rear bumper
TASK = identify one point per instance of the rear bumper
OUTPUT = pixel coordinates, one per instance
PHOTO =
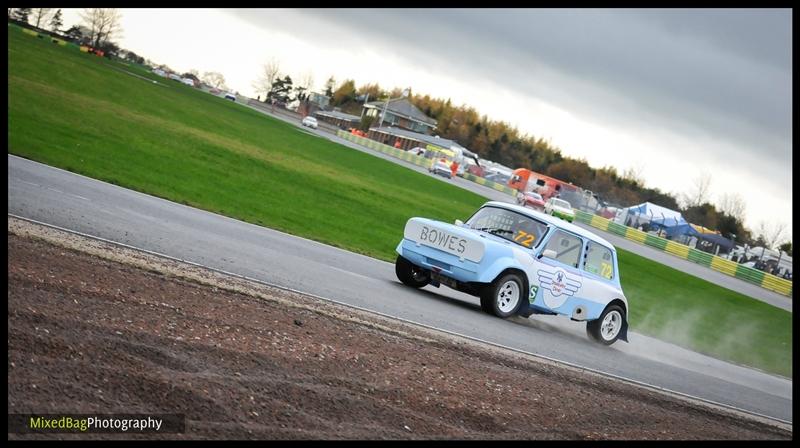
(438, 261)
(447, 173)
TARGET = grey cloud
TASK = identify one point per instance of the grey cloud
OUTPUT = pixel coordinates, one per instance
(719, 73)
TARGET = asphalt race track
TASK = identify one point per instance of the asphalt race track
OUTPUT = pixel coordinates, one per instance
(74, 202)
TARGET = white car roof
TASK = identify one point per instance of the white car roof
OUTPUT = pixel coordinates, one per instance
(556, 222)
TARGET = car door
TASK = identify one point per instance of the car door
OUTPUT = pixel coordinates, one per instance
(557, 270)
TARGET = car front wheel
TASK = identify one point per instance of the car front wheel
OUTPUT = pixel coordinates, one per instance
(503, 297)
(607, 328)
(410, 274)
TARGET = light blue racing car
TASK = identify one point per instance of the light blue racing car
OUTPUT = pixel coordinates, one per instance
(520, 262)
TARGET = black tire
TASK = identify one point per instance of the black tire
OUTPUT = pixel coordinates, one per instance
(486, 302)
(410, 274)
(493, 295)
(594, 328)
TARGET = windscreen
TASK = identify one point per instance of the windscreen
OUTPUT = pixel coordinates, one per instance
(512, 226)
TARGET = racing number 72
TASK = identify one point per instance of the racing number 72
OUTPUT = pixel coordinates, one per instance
(524, 238)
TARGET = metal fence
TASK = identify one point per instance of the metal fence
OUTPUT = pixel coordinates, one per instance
(419, 160)
(728, 267)
(386, 149)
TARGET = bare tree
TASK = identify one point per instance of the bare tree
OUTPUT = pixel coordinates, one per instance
(303, 86)
(40, 16)
(307, 81)
(214, 79)
(269, 73)
(103, 24)
(771, 233)
(732, 204)
(634, 174)
(698, 194)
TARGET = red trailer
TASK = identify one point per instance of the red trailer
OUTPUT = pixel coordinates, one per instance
(524, 179)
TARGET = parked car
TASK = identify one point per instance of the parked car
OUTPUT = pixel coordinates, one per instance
(560, 209)
(531, 199)
(160, 72)
(519, 262)
(174, 77)
(188, 81)
(442, 168)
(230, 96)
(497, 177)
(310, 122)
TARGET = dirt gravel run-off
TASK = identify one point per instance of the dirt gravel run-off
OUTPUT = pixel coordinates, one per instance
(95, 328)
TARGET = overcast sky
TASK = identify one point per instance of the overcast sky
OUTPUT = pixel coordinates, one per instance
(674, 93)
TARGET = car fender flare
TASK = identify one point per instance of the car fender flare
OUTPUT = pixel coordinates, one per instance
(503, 266)
(623, 333)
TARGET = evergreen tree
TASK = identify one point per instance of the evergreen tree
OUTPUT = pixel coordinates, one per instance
(329, 85)
(21, 14)
(281, 89)
(56, 22)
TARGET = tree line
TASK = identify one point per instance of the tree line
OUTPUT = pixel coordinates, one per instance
(505, 144)
(502, 143)
(279, 87)
(99, 27)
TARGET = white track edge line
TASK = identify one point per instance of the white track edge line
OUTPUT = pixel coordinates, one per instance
(286, 288)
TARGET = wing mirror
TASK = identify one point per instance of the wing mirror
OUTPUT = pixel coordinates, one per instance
(549, 253)
(459, 223)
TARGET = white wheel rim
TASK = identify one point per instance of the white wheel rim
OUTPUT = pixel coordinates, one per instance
(508, 296)
(611, 325)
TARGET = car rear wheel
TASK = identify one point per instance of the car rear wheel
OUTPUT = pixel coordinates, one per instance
(503, 297)
(410, 274)
(607, 328)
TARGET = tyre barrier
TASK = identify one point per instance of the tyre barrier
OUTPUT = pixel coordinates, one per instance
(717, 263)
(494, 185)
(386, 149)
(418, 160)
(54, 40)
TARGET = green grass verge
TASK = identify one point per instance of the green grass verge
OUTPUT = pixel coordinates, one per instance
(81, 113)
(75, 111)
(692, 312)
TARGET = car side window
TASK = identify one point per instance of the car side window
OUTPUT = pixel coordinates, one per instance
(567, 248)
(598, 260)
